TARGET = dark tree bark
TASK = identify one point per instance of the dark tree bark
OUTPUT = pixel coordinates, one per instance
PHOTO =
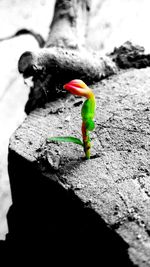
(52, 67)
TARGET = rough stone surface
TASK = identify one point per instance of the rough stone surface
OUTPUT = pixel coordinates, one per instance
(115, 182)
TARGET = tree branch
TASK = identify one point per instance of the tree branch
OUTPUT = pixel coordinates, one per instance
(69, 25)
(65, 57)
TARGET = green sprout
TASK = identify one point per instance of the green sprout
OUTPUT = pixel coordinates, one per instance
(78, 87)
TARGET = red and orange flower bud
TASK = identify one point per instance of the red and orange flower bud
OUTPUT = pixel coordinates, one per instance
(78, 87)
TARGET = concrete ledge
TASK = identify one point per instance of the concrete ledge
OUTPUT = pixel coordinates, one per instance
(105, 198)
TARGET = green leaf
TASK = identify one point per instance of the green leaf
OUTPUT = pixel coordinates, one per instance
(68, 139)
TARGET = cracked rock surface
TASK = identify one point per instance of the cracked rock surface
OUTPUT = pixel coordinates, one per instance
(115, 183)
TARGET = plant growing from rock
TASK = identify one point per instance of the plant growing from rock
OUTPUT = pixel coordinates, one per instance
(78, 87)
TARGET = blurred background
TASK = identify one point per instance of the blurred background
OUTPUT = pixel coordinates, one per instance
(111, 24)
